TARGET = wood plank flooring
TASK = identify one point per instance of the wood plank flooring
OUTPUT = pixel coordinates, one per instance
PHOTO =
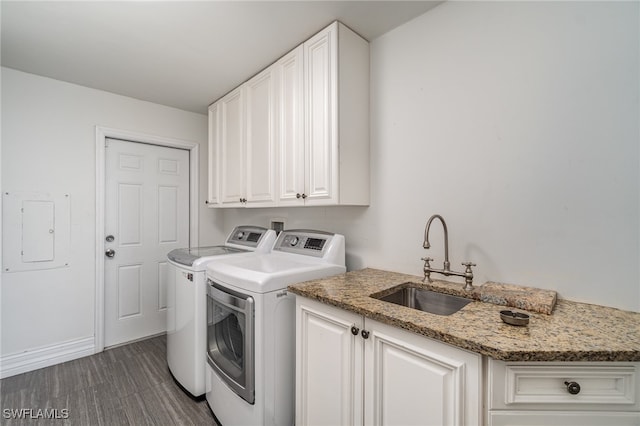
(127, 385)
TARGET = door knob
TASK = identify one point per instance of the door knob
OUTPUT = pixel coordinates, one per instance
(110, 253)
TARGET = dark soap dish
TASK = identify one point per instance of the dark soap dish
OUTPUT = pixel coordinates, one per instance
(514, 318)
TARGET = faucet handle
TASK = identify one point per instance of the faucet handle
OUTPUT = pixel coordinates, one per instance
(468, 275)
(468, 271)
(427, 269)
(426, 262)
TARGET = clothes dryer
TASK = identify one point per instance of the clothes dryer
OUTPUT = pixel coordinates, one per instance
(251, 326)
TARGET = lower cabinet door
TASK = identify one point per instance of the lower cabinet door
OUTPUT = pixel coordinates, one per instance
(413, 380)
(564, 418)
(328, 365)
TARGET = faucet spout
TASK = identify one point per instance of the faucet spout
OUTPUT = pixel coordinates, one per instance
(426, 244)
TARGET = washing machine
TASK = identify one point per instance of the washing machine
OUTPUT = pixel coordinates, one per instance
(251, 326)
(186, 301)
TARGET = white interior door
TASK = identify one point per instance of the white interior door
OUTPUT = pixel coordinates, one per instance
(146, 216)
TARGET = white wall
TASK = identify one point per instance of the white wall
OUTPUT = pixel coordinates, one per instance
(48, 145)
(519, 123)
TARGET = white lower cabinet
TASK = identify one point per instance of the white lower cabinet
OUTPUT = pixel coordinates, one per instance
(564, 418)
(567, 393)
(351, 371)
(329, 356)
(414, 380)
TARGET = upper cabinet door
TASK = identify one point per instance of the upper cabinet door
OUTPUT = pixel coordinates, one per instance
(321, 120)
(213, 197)
(232, 149)
(260, 139)
(291, 128)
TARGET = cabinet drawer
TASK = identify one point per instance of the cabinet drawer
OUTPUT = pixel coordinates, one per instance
(565, 418)
(538, 385)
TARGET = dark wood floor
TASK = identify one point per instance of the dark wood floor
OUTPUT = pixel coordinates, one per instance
(127, 385)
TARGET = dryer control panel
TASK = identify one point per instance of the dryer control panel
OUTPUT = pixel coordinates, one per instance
(305, 242)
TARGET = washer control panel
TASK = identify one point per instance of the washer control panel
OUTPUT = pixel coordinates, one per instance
(305, 242)
(248, 236)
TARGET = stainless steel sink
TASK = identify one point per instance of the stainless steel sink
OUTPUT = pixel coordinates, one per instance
(426, 300)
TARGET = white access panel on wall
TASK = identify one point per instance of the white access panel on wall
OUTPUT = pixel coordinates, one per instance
(36, 231)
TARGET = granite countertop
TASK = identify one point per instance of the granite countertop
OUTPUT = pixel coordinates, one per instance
(572, 332)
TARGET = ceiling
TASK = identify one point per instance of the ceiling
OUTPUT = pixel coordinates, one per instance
(183, 54)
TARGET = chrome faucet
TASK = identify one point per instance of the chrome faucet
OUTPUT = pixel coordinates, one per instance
(446, 270)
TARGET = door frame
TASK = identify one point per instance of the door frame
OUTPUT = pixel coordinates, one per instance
(102, 133)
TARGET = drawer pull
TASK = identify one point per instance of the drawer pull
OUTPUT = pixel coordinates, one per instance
(572, 387)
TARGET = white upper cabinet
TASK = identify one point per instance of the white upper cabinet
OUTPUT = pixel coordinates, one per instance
(321, 138)
(260, 138)
(291, 163)
(305, 132)
(242, 145)
(336, 119)
(232, 149)
(213, 159)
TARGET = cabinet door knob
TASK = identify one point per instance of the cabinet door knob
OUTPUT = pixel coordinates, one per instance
(304, 196)
(365, 334)
(355, 330)
(572, 387)
(298, 195)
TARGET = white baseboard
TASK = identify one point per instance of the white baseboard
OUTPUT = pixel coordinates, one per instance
(10, 365)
